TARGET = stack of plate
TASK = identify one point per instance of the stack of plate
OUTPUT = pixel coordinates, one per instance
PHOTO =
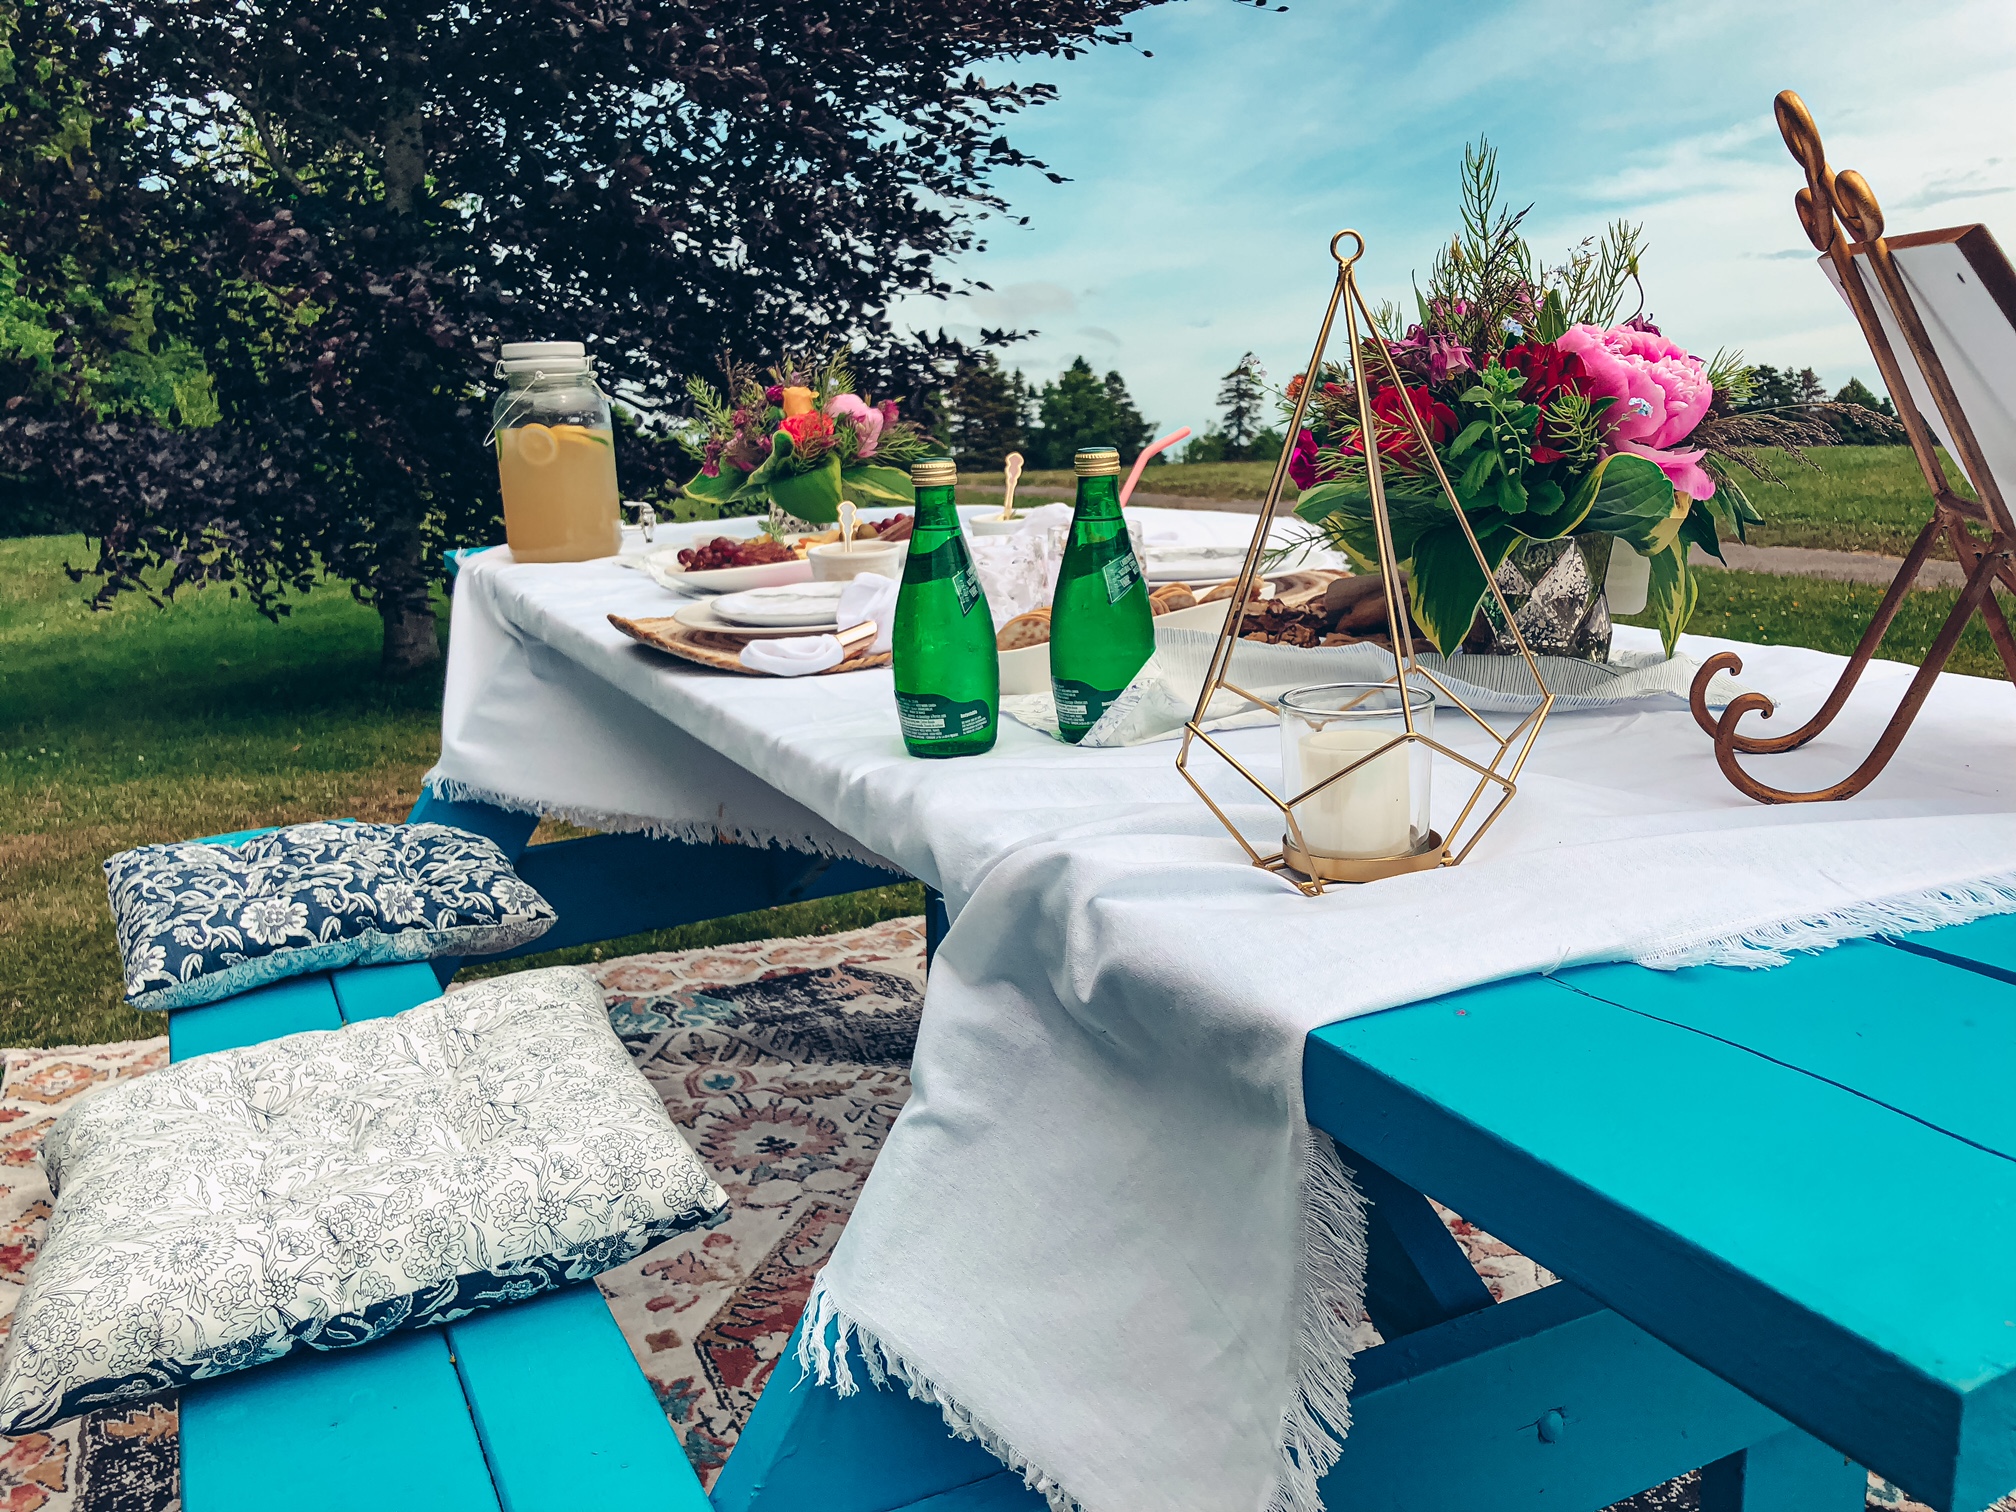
(785, 609)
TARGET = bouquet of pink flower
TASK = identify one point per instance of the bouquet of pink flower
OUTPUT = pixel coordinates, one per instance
(1549, 417)
(799, 443)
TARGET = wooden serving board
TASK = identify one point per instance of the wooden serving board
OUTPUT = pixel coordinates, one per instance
(721, 649)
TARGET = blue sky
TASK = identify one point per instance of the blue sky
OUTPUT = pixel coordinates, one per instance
(1206, 180)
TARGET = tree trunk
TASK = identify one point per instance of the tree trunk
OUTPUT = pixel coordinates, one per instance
(411, 641)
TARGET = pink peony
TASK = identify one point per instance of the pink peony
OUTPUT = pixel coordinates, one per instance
(1661, 393)
(867, 422)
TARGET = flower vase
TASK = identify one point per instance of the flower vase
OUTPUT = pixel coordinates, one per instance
(783, 524)
(1555, 592)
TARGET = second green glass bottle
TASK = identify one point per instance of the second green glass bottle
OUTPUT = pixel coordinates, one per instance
(948, 673)
(1101, 629)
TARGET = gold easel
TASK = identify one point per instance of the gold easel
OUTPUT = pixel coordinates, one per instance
(1843, 221)
(1296, 861)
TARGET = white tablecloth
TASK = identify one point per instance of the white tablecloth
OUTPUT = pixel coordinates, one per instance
(1100, 1234)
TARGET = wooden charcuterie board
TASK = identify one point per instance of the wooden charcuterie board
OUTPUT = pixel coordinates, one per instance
(720, 649)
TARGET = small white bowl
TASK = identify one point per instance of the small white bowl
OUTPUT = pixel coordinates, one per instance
(834, 563)
(994, 525)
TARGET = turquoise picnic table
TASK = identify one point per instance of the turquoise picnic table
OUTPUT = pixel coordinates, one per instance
(1781, 1204)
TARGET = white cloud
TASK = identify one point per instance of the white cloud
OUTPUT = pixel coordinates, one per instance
(1206, 182)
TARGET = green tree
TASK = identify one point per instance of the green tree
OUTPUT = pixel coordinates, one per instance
(1856, 428)
(1242, 397)
(984, 412)
(344, 206)
(1080, 410)
(1771, 388)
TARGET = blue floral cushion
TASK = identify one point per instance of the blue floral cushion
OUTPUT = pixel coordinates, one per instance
(201, 920)
(328, 1188)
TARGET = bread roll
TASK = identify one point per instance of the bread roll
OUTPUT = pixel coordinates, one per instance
(1031, 629)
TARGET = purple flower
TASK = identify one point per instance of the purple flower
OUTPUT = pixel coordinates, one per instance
(888, 411)
(1431, 356)
(1641, 323)
(774, 394)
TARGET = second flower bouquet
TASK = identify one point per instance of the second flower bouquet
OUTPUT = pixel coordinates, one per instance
(799, 443)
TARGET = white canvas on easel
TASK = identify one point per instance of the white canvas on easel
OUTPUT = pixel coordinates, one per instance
(1965, 292)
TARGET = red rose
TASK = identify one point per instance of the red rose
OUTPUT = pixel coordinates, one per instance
(807, 428)
(1549, 371)
(1396, 435)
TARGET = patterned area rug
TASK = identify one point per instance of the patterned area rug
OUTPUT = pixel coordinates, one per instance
(784, 1062)
(115, 1459)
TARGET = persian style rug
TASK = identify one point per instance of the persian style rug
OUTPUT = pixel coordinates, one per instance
(784, 1063)
(116, 1459)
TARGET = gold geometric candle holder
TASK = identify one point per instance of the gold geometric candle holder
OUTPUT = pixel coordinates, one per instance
(1308, 866)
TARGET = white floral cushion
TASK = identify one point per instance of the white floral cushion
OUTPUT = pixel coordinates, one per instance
(327, 1188)
(201, 920)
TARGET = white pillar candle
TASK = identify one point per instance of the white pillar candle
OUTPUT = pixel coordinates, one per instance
(1362, 815)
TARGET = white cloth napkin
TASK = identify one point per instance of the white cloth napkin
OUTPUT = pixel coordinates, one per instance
(867, 597)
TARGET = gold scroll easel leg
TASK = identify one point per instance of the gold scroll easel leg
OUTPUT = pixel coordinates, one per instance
(1980, 586)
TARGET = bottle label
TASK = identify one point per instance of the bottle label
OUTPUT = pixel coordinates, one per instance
(1079, 703)
(966, 583)
(927, 716)
(1121, 572)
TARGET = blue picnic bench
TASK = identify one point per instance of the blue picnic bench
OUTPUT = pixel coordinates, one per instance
(1781, 1204)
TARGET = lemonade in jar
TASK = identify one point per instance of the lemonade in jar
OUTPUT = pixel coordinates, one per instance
(556, 455)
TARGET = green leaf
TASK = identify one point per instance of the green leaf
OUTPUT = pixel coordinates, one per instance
(717, 490)
(1470, 435)
(872, 483)
(1553, 322)
(1672, 594)
(1344, 509)
(1698, 529)
(813, 496)
(1446, 583)
(1630, 497)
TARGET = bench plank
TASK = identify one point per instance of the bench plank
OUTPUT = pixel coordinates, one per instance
(1987, 946)
(1697, 1188)
(565, 1415)
(1932, 1040)
(263, 1013)
(316, 1431)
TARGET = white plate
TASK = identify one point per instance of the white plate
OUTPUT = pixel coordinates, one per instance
(698, 614)
(789, 604)
(663, 565)
(1191, 564)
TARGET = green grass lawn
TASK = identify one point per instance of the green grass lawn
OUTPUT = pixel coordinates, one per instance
(142, 725)
(1856, 498)
(1779, 611)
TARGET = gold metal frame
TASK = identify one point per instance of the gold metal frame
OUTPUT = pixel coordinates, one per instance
(1310, 873)
(1839, 213)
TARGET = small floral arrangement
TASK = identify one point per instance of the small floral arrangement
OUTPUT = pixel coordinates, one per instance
(1548, 416)
(800, 442)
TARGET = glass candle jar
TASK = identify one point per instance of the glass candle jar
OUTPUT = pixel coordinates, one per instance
(1379, 809)
(556, 455)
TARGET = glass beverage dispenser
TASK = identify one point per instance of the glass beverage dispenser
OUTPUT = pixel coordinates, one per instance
(556, 455)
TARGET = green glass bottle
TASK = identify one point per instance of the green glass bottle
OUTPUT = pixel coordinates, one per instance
(1101, 628)
(948, 673)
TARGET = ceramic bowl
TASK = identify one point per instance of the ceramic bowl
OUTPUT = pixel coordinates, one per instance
(834, 563)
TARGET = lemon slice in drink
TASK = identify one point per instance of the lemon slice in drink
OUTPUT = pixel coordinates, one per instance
(537, 445)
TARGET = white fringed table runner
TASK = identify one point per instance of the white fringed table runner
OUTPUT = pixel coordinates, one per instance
(1100, 1235)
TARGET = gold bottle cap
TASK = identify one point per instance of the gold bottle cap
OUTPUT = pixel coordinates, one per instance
(934, 472)
(1096, 462)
